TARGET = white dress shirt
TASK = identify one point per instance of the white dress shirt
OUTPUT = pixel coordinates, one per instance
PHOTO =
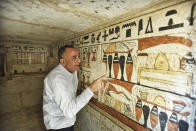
(60, 104)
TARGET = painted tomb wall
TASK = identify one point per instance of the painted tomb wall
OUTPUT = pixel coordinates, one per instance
(150, 62)
(20, 58)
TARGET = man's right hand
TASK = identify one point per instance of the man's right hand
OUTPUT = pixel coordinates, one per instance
(98, 84)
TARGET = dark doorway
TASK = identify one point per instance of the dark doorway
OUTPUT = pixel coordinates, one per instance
(2, 71)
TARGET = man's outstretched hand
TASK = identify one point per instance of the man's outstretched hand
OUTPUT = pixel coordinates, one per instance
(98, 84)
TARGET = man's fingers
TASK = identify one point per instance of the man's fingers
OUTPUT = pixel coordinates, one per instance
(101, 85)
(104, 77)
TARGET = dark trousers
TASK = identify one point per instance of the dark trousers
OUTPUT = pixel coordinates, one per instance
(64, 129)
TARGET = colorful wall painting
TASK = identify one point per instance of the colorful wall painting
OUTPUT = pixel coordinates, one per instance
(160, 64)
(88, 56)
(150, 64)
(148, 106)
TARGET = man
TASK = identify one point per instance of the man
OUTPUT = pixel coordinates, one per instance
(60, 104)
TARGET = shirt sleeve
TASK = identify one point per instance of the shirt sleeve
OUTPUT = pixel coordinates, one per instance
(66, 98)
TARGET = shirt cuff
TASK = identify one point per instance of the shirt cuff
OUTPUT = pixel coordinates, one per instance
(88, 90)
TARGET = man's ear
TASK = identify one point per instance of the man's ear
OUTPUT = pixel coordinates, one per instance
(62, 61)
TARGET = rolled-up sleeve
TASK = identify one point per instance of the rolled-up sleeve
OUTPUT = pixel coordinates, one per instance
(66, 99)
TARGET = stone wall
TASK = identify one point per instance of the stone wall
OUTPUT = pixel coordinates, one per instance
(90, 119)
(21, 103)
(21, 84)
(150, 62)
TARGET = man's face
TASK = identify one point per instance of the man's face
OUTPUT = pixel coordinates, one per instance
(70, 59)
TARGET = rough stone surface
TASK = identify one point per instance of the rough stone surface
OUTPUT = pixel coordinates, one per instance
(46, 22)
(90, 119)
(26, 119)
(9, 103)
(21, 103)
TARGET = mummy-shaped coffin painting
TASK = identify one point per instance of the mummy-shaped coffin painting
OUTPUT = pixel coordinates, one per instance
(152, 108)
(119, 59)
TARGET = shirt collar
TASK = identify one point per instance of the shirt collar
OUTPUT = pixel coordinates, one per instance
(66, 71)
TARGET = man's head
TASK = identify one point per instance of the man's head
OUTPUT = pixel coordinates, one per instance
(69, 58)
